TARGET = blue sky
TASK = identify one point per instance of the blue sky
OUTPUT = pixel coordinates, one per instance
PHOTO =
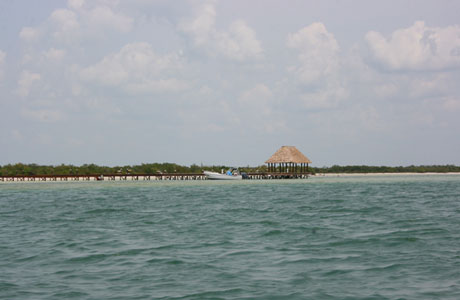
(229, 82)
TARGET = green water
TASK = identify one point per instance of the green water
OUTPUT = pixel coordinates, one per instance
(322, 238)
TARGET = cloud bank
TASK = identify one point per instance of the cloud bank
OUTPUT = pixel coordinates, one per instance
(417, 48)
(228, 82)
(238, 43)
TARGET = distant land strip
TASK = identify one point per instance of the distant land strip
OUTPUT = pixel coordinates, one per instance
(21, 169)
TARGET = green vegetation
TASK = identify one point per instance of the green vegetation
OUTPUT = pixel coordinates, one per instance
(20, 169)
(385, 169)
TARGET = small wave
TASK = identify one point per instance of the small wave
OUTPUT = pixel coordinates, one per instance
(317, 259)
(70, 294)
(355, 242)
(215, 294)
(5, 286)
(389, 267)
(63, 272)
(7, 212)
(273, 232)
(164, 247)
(89, 258)
(239, 252)
(171, 261)
(100, 211)
(131, 252)
(269, 223)
(28, 258)
(338, 272)
(157, 260)
(175, 262)
(408, 239)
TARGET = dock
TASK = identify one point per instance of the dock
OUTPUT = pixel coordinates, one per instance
(142, 177)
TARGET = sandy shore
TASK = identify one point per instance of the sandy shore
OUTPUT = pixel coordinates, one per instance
(381, 174)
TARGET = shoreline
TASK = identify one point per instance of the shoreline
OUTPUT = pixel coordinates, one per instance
(198, 177)
(382, 174)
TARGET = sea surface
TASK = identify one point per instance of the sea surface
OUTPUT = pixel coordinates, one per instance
(382, 237)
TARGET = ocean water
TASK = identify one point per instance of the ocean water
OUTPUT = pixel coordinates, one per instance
(377, 237)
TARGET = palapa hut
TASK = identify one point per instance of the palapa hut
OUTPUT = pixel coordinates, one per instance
(288, 160)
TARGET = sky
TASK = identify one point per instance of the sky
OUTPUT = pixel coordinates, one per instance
(118, 82)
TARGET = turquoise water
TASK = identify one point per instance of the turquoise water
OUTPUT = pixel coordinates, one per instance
(322, 238)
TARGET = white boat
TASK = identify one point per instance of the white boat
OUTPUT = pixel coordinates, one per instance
(230, 175)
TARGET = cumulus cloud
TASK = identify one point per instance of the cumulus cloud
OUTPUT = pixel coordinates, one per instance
(26, 81)
(54, 54)
(104, 16)
(29, 34)
(202, 27)
(96, 15)
(318, 68)
(238, 43)
(136, 68)
(318, 53)
(76, 4)
(66, 23)
(418, 47)
(80, 19)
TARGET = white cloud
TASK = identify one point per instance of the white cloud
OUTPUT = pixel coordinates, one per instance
(318, 53)
(76, 4)
(202, 27)
(26, 81)
(65, 19)
(65, 24)
(418, 47)
(103, 16)
(371, 85)
(318, 68)
(80, 20)
(54, 54)
(29, 34)
(238, 43)
(136, 68)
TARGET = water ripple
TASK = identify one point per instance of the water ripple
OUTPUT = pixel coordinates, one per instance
(323, 238)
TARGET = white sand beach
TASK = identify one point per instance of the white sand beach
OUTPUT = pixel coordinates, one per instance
(381, 174)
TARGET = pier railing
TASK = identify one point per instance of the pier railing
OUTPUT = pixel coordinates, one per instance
(141, 177)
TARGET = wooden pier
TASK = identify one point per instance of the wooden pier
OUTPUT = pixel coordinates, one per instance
(142, 177)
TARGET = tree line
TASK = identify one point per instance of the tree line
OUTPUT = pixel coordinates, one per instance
(21, 169)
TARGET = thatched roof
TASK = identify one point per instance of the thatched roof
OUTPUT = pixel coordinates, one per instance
(288, 154)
